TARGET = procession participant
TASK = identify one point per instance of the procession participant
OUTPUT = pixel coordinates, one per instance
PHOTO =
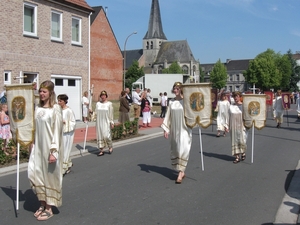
(46, 158)
(278, 108)
(69, 123)
(104, 123)
(85, 106)
(223, 114)
(181, 136)
(237, 128)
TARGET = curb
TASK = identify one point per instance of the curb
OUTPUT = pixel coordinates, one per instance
(288, 210)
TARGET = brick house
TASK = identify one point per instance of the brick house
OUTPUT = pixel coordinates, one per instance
(106, 57)
(46, 39)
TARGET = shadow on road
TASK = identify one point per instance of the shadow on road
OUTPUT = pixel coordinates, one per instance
(219, 156)
(168, 173)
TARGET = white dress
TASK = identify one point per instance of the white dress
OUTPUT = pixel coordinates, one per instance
(46, 178)
(104, 120)
(223, 115)
(68, 136)
(179, 134)
(238, 131)
(278, 107)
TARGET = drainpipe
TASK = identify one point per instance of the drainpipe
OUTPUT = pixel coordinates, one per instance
(89, 70)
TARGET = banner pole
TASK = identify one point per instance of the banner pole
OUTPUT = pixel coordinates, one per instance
(252, 152)
(18, 173)
(201, 151)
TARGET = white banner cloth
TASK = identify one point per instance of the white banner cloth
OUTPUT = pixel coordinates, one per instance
(254, 110)
(20, 102)
(197, 104)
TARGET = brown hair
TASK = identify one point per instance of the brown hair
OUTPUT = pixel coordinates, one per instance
(63, 97)
(236, 93)
(103, 93)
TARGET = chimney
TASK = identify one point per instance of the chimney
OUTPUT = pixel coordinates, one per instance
(106, 10)
(227, 61)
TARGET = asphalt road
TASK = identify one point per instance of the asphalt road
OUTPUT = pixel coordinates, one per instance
(136, 184)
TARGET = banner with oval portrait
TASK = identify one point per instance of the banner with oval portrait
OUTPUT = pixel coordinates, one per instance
(197, 103)
(254, 110)
(20, 102)
(285, 100)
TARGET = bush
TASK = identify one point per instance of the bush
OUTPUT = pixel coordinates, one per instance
(124, 130)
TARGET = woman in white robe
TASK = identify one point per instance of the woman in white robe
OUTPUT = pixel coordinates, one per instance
(180, 135)
(278, 109)
(45, 162)
(69, 124)
(223, 115)
(238, 130)
(104, 123)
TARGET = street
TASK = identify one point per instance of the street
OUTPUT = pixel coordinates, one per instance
(136, 184)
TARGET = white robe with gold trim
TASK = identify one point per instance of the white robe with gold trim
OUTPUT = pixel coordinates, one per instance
(179, 134)
(46, 178)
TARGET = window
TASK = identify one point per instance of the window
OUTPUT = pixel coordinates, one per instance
(185, 69)
(230, 88)
(237, 88)
(30, 19)
(56, 26)
(76, 30)
(59, 82)
(230, 77)
(7, 77)
(71, 82)
(151, 45)
(147, 46)
(237, 77)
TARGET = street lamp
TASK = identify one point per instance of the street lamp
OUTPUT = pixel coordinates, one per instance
(124, 58)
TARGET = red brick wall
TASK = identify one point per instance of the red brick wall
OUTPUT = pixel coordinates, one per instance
(106, 59)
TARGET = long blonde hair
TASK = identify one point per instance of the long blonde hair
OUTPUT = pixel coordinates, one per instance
(49, 85)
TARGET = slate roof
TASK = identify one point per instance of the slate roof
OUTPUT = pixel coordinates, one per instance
(132, 55)
(155, 29)
(175, 51)
(241, 64)
(77, 3)
(96, 9)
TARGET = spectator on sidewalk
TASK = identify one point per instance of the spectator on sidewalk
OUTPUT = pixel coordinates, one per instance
(128, 96)
(124, 108)
(164, 104)
(146, 111)
(136, 101)
(5, 127)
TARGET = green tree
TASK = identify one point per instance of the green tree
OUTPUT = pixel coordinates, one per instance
(264, 71)
(218, 75)
(174, 68)
(295, 72)
(133, 73)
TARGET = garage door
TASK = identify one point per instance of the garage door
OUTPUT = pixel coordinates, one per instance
(70, 86)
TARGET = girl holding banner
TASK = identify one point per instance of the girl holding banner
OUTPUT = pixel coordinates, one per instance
(181, 136)
(46, 158)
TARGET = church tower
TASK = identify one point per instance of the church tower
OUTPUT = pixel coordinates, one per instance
(154, 36)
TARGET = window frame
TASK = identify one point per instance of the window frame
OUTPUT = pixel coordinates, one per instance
(60, 25)
(80, 30)
(8, 81)
(34, 7)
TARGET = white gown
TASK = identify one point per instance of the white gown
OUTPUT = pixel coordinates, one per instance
(105, 113)
(179, 134)
(68, 136)
(223, 115)
(238, 130)
(46, 178)
(278, 107)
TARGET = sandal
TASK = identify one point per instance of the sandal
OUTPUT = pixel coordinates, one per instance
(39, 211)
(224, 135)
(100, 153)
(45, 215)
(237, 160)
(218, 135)
(110, 151)
(243, 156)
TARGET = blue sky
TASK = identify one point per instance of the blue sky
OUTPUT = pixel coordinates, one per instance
(214, 29)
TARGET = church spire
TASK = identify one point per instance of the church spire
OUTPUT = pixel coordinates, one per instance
(155, 29)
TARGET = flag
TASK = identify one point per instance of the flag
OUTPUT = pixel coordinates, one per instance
(20, 102)
(285, 100)
(197, 104)
(254, 110)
